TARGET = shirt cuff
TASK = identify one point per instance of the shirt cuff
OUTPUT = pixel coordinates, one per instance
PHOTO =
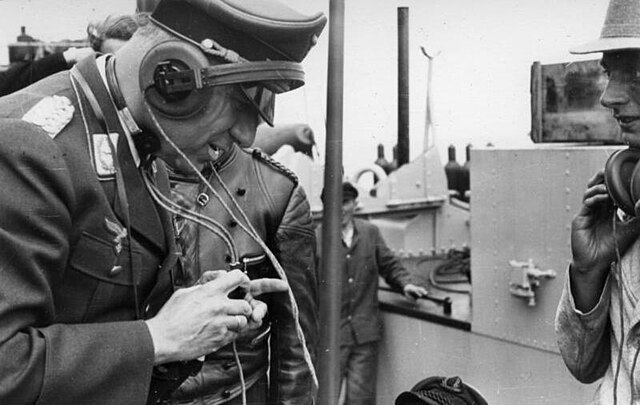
(602, 306)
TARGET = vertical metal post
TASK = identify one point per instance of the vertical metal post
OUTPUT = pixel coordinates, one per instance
(403, 85)
(330, 277)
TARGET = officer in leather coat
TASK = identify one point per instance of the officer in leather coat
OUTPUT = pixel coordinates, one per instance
(89, 309)
(278, 209)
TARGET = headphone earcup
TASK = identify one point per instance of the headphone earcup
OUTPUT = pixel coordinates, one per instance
(622, 178)
(635, 187)
(175, 56)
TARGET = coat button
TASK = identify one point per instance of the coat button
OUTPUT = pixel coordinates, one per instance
(226, 394)
(350, 280)
(241, 192)
(202, 199)
(348, 256)
(115, 270)
(232, 223)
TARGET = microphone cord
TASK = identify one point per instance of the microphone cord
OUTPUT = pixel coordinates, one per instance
(250, 231)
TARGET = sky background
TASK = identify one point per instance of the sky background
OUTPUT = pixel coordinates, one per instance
(480, 78)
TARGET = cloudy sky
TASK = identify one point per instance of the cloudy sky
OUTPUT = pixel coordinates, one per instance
(480, 79)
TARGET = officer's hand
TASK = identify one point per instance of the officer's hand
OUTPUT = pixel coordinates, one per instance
(413, 292)
(199, 320)
(254, 289)
(593, 241)
(304, 141)
(74, 55)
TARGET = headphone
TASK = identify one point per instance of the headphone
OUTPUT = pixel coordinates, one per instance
(169, 79)
(177, 79)
(622, 178)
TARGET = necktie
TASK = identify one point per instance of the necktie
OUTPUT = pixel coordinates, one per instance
(187, 238)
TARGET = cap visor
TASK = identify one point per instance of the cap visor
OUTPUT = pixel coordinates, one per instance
(410, 398)
(607, 44)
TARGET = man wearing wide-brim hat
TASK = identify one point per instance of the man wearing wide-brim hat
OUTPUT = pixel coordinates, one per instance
(597, 319)
(91, 309)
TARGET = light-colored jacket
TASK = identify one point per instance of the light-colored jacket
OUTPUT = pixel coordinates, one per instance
(590, 342)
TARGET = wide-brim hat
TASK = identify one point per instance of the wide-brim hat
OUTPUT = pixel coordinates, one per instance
(621, 29)
(441, 391)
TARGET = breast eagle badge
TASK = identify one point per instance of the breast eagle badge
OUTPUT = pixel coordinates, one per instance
(119, 232)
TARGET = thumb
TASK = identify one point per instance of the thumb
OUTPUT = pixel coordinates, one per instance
(627, 232)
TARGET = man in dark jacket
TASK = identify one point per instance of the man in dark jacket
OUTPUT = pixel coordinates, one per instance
(365, 255)
(89, 312)
(269, 198)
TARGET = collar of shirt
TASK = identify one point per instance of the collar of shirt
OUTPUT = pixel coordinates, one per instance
(347, 234)
(101, 62)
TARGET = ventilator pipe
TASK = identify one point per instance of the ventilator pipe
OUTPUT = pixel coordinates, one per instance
(403, 86)
(382, 161)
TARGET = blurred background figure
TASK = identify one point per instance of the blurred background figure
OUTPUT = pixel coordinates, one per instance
(109, 35)
(103, 36)
(365, 255)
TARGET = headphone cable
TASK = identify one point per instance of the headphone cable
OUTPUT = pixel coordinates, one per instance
(620, 308)
(251, 233)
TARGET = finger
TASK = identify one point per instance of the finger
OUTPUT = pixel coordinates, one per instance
(598, 189)
(597, 201)
(237, 307)
(227, 282)
(210, 275)
(267, 285)
(259, 310)
(597, 178)
(236, 322)
(411, 295)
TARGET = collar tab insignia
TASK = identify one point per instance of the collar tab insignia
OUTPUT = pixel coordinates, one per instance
(52, 114)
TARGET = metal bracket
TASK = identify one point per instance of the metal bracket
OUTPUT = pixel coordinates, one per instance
(531, 276)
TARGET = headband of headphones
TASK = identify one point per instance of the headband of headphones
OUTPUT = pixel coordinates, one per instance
(277, 76)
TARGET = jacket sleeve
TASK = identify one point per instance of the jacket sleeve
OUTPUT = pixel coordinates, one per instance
(44, 362)
(584, 339)
(389, 265)
(291, 380)
(22, 74)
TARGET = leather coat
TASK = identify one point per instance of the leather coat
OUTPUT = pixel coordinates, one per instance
(278, 209)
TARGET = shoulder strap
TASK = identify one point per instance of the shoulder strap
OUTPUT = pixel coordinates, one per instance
(263, 157)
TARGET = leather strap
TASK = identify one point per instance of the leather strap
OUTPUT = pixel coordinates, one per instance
(122, 194)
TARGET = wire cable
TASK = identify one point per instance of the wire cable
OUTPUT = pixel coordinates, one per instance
(620, 305)
(251, 232)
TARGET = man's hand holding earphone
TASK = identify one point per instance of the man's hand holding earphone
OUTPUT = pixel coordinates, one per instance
(201, 319)
(594, 241)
